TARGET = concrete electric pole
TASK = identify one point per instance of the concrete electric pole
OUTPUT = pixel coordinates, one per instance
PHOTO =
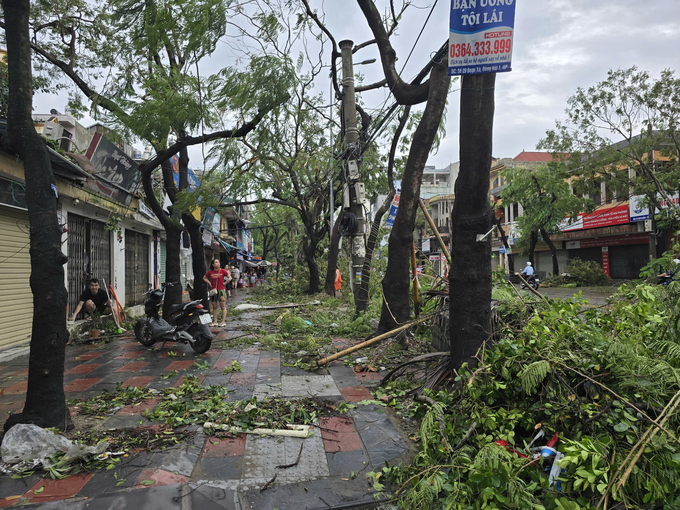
(354, 194)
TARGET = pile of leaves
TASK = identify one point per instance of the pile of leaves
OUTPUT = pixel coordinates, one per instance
(192, 404)
(606, 381)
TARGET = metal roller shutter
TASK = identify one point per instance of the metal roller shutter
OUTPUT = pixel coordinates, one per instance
(163, 259)
(136, 267)
(626, 261)
(16, 300)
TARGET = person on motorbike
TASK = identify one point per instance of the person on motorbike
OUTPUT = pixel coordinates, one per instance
(670, 272)
(528, 273)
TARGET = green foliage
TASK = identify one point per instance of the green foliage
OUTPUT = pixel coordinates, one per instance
(563, 369)
(579, 273)
(613, 126)
(546, 197)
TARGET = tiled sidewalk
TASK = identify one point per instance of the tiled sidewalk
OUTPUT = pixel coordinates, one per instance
(211, 472)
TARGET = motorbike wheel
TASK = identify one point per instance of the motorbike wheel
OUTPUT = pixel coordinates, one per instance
(522, 286)
(201, 344)
(143, 334)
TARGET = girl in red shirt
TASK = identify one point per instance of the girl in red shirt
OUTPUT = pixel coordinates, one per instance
(215, 278)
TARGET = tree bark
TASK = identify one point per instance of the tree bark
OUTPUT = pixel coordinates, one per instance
(470, 275)
(333, 255)
(193, 226)
(553, 252)
(45, 404)
(362, 295)
(312, 265)
(395, 307)
(532, 246)
(173, 231)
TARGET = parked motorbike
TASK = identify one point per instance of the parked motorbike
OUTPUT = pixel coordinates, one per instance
(186, 323)
(531, 280)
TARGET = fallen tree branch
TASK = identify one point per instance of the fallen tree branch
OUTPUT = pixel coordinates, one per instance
(623, 400)
(372, 341)
(266, 485)
(467, 436)
(285, 466)
(530, 287)
(440, 416)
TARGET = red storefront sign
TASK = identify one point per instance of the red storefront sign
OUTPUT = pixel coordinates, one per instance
(605, 259)
(598, 218)
(640, 238)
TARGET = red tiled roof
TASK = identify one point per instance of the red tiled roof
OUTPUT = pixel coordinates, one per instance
(533, 156)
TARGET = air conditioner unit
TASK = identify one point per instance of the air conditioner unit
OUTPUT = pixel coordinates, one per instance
(53, 131)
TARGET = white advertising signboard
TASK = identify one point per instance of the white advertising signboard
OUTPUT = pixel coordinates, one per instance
(481, 36)
(639, 212)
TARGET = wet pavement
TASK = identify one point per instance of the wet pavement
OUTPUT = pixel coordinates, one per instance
(206, 472)
(596, 296)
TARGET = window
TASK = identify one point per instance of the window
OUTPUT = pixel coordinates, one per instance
(515, 211)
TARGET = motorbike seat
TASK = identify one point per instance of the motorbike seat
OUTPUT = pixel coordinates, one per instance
(176, 308)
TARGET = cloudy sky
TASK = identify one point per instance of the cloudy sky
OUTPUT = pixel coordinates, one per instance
(559, 45)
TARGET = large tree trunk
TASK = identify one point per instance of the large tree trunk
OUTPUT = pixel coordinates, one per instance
(395, 308)
(333, 255)
(470, 275)
(312, 265)
(362, 292)
(193, 226)
(553, 252)
(173, 272)
(362, 295)
(173, 233)
(45, 401)
(533, 240)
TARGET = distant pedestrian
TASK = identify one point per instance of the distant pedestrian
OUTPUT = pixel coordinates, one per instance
(218, 293)
(235, 277)
(338, 281)
(93, 299)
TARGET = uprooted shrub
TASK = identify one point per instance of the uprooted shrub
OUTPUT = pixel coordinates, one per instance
(595, 378)
(580, 273)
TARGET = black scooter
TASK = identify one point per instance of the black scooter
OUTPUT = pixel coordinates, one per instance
(187, 323)
(531, 280)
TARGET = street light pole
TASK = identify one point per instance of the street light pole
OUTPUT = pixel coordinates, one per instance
(354, 189)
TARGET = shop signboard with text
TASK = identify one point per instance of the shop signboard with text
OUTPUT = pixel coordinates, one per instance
(481, 36)
(640, 212)
(604, 217)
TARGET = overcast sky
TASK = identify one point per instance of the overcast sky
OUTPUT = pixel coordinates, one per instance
(559, 45)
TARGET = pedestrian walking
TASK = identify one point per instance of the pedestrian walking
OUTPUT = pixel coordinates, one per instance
(216, 278)
(338, 281)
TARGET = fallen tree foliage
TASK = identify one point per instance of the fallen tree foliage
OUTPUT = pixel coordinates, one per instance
(602, 383)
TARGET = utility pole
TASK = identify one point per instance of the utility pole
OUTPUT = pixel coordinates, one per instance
(354, 194)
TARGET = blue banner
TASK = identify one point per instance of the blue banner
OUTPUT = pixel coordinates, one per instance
(481, 36)
(389, 222)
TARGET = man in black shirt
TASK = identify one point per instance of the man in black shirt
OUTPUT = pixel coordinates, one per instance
(93, 298)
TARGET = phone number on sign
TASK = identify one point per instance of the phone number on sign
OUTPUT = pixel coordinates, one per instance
(481, 48)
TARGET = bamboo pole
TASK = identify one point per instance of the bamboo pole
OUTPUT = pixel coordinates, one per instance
(414, 270)
(372, 341)
(434, 228)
